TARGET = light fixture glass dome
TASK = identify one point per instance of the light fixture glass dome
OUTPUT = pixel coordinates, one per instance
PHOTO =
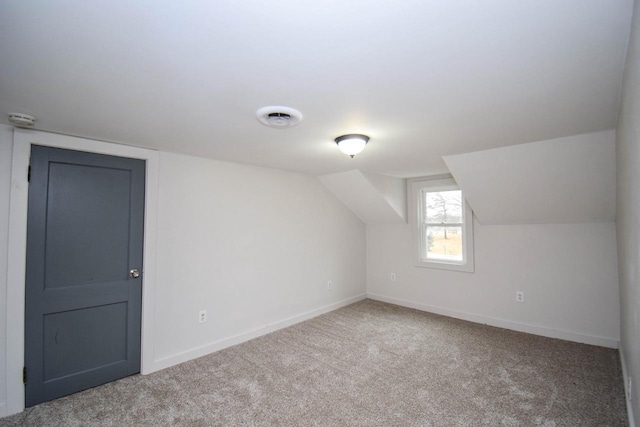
(352, 144)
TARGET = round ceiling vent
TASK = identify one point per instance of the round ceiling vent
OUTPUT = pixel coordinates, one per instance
(279, 117)
(20, 119)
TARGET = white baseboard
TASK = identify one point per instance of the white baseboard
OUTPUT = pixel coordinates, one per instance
(501, 323)
(194, 353)
(625, 376)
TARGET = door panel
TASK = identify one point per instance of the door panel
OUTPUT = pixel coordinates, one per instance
(87, 238)
(83, 339)
(85, 233)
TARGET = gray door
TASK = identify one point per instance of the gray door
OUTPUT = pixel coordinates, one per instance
(82, 303)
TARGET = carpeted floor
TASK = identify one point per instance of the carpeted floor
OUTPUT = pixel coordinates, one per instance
(368, 364)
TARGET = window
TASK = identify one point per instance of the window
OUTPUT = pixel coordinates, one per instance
(442, 221)
(443, 225)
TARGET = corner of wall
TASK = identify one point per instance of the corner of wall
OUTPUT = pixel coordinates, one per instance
(394, 191)
(374, 198)
(628, 217)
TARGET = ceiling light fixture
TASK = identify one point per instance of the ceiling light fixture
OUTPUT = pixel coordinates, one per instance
(352, 144)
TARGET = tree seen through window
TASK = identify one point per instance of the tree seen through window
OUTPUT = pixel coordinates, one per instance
(444, 218)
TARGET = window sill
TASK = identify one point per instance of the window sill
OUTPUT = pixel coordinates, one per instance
(467, 267)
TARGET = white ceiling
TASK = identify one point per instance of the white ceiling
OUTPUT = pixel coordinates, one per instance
(422, 78)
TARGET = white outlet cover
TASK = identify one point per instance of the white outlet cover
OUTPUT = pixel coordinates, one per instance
(393, 277)
(329, 284)
(202, 316)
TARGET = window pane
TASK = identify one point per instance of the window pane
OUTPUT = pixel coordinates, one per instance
(443, 207)
(444, 243)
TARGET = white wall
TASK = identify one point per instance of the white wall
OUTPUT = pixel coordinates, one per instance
(567, 272)
(557, 181)
(253, 246)
(628, 215)
(6, 144)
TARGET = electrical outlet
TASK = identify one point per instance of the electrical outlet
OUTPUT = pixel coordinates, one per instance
(329, 284)
(202, 316)
(393, 277)
(519, 296)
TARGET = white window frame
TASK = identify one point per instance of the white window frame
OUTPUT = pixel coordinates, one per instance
(417, 187)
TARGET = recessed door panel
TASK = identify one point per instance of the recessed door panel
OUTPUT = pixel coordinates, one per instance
(84, 339)
(87, 230)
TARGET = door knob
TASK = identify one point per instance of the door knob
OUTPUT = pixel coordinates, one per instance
(134, 273)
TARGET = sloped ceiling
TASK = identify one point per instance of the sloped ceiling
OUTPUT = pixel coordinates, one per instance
(564, 180)
(374, 198)
(422, 78)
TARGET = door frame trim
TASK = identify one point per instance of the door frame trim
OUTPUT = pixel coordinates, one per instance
(22, 141)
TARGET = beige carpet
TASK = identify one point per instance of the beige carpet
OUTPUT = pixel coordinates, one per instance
(368, 364)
